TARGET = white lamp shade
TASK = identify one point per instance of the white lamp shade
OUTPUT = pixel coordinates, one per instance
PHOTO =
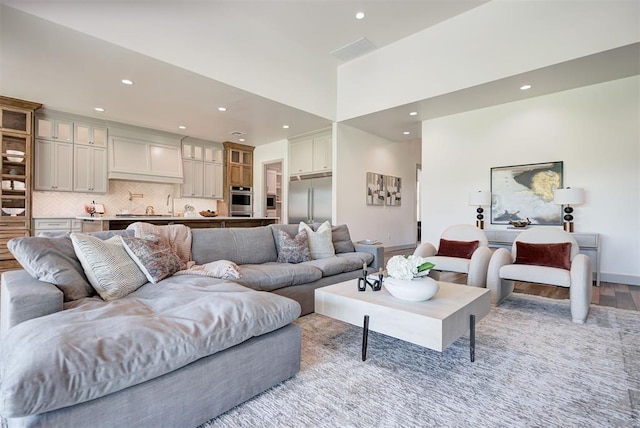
(568, 196)
(479, 198)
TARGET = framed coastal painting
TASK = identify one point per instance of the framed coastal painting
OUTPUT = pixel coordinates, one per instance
(525, 192)
(375, 189)
(392, 190)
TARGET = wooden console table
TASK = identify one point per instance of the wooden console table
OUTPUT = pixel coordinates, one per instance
(589, 245)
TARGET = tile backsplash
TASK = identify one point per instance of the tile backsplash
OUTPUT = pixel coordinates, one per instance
(71, 204)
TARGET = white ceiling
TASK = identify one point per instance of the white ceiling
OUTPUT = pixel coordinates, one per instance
(269, 62)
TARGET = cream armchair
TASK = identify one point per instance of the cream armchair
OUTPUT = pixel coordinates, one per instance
(457, 252)
(553, 259)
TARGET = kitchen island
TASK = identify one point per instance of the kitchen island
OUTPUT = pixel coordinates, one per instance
(95, 224)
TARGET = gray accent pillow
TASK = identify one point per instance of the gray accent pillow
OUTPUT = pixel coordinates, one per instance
(340, 236)
(342, 239)
(293, 250)
(108, 266)
(53, 260)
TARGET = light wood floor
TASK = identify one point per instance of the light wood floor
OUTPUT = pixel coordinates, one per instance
(620, 296)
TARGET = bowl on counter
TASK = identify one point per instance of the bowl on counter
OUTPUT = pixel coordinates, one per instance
(13, 211)
(14, 158)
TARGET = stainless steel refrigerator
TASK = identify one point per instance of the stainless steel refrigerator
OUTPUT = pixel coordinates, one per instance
(310, 200)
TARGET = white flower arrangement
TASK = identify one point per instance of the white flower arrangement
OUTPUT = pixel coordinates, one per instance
(408, 267)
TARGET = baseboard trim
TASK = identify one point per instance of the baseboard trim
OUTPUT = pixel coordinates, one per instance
(620, 278)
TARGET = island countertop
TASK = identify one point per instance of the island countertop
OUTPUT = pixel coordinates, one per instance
(93, 224)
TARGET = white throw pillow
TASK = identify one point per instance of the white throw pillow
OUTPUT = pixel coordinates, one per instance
(320, 243)
(109, 268)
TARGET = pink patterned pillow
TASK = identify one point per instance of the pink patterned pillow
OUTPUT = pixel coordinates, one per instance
(293, 250)
(153, 256)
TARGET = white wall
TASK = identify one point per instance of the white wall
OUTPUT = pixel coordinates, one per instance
(490, 42)
(356, 153)
(268, 153)
(594, 130)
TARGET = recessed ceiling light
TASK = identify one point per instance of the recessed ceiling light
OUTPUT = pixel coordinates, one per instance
(182, 127)
(98, 109)
(360, 15)
(285, 126)
(241, 140)
(413, 113)
(127, 81)
(525, 87)
(406, 132)
(222, 109)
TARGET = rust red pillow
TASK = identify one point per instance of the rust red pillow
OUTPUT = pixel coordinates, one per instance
(557, 255)
(460, 249)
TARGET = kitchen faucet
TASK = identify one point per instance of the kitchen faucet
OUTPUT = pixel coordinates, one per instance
(172, 199)
(149, 210)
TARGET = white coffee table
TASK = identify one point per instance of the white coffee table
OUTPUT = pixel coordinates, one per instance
(434, 324)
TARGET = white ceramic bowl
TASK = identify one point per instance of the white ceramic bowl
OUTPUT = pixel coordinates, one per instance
(13, 158)
(13, 211)
(415, 290)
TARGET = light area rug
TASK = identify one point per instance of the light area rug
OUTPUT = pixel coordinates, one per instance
(533, 368)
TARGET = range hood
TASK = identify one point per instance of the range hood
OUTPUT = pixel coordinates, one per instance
(144, 157)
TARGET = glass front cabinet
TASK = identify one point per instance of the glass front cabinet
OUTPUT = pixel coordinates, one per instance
(16, 147)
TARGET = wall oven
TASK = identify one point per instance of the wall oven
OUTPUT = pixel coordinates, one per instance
(271, 202)
(241, 201)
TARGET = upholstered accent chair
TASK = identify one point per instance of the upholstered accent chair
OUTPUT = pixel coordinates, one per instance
(463, 248)
(546, 256)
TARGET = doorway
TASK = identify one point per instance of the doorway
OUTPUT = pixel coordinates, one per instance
(272, 201)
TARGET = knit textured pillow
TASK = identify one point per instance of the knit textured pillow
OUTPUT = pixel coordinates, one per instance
(109, 268)
(293, 250)
(320, 241)
(153, 256)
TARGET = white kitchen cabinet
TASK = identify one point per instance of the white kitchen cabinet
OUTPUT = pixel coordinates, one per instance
(311, 154)
(322, 153)
(193, 184)
(301, 156)
(56, 225)
(193, 151)
(202, 179)
(53, 166)
(212, 154)
(213, 180)
(89, 134)
(132, 159)
(54, 129)
(90, 169)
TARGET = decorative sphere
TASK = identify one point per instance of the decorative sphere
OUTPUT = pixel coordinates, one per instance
(568, 210)
(568, 217)
(479, 210)
(480, 216)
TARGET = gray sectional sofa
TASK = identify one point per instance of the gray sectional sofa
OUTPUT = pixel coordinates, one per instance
(175, 353)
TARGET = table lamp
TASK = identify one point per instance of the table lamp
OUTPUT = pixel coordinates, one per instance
(479, 199)
(568, 197)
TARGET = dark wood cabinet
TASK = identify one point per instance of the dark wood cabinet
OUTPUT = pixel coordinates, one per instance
(16, 147)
